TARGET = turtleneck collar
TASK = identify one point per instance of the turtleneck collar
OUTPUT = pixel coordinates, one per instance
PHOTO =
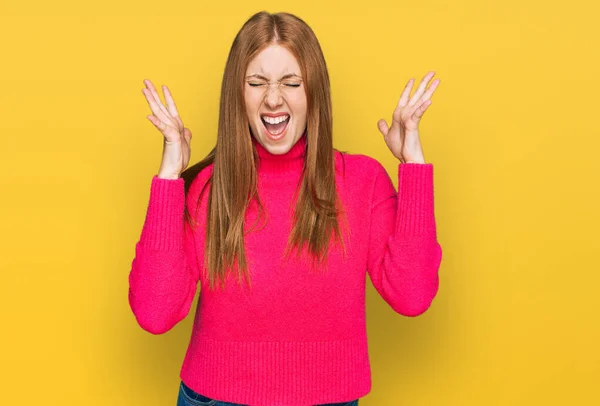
(291, 162)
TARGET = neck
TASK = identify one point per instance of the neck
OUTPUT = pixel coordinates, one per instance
(291, 162)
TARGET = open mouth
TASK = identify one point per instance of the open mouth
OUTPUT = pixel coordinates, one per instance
(275, 127)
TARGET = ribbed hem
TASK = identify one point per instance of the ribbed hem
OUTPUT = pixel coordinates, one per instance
(278, 373)
(415, 200)
(163, 226)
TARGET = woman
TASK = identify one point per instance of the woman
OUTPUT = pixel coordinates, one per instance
(279, 228)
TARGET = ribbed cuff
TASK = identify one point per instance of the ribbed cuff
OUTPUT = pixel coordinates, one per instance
(163, 226)
(415, 200)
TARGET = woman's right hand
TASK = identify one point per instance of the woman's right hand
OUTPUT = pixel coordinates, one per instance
(176, 146)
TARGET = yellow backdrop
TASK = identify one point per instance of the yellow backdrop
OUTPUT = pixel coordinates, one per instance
(512, 132)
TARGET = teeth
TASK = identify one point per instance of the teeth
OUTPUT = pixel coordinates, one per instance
(275, 120)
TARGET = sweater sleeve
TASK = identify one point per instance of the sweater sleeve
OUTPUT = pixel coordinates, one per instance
(164, 272)
(404, 254)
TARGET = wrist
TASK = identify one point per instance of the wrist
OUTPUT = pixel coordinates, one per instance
(167, 176)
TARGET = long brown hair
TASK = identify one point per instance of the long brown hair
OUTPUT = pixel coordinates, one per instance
(233, 182)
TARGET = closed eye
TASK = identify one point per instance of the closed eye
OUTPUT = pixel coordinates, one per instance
(264, 84)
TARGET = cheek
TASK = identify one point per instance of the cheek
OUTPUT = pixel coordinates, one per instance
(298, 104)
(252, 103)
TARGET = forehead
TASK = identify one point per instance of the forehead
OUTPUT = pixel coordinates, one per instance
(273, 61)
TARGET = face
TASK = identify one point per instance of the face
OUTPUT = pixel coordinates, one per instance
(273, 65)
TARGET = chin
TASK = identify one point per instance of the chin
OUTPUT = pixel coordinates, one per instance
(279, 147)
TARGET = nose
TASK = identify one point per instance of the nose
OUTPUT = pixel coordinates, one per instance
(273, 96)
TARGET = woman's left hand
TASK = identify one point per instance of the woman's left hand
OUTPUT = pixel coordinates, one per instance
(402, 138)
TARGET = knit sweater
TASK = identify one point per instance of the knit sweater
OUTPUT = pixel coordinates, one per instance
(296, 336)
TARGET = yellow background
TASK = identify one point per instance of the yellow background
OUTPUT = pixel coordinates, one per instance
(513, 134)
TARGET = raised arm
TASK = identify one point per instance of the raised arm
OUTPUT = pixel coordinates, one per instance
(164, 272)
(404, 254)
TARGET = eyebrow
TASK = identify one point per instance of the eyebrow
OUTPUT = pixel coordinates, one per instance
(289, 75)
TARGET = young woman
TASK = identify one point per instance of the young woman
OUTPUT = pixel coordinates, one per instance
(280, 230)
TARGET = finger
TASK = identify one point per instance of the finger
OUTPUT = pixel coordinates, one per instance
(427, 95)
(152, 89)
(383, 127)
(179, 123)
(404, 97)
(417, 96)
(157, 123)
(167, 131)
(156, 96)
(172, 107)
(154, 106)
(421, 110)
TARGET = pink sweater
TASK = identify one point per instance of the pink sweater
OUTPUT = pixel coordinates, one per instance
(297, 337)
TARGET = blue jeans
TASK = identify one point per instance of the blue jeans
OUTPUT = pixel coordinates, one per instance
(188, 397)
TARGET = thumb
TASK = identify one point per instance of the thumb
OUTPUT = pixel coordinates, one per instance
(383, 127)
(187, 134)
